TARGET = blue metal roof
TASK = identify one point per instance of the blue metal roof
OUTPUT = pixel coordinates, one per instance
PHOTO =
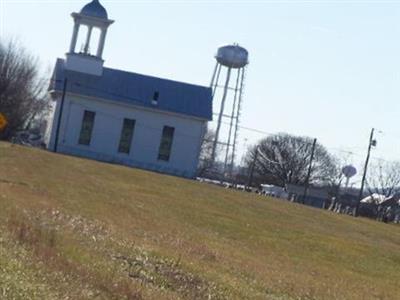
(132, 88)
(94, 9)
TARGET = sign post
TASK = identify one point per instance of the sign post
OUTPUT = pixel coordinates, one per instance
(3, 122)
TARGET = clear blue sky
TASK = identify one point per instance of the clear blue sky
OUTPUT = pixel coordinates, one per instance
(326, 69)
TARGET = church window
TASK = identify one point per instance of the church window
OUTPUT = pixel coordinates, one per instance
(87, 127)
(164, 151)
(125, 141)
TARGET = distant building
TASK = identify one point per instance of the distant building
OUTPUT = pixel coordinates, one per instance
(122, 117)
(316, 196)
(322, 196)
(274, 191)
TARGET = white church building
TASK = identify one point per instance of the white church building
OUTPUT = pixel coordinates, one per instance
(122, 117)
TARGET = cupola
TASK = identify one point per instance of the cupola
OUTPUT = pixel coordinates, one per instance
(92, 15)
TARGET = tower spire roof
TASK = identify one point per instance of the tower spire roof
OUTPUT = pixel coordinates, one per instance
(94, 9)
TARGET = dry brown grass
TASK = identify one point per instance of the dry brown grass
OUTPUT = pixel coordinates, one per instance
(88, 230)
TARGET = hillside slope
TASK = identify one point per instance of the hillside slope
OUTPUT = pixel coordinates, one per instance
(81, 229)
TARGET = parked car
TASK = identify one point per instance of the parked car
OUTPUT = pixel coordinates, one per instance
(28, 138)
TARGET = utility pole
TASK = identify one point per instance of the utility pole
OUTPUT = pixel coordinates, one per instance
(60, 115)
(253, 164)
(309, 171)
(371, 143)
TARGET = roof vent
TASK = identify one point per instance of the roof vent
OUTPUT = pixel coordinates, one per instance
(154, 101)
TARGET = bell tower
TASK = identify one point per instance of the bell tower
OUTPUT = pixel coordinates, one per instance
(92, 15)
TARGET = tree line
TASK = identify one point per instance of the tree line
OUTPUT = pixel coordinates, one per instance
(281, 159)
(23, 92)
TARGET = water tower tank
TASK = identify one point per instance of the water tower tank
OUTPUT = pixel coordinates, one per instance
(232, 56)
(349, 171)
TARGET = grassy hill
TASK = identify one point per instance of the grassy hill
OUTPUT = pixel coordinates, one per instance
(77, 229)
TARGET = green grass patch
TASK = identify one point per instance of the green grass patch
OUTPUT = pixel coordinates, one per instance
(88, 230)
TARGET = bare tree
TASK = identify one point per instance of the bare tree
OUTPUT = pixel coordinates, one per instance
(22, 92)
(205, 161)
(384, 178)
(284, 158)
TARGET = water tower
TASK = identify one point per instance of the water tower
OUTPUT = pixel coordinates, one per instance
(227, 84)
(348, 172)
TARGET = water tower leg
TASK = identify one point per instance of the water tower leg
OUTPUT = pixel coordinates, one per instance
(232, 117)
(347, 182)
(213, 76)
(215, 83)
(213, 153)
(239, 107)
